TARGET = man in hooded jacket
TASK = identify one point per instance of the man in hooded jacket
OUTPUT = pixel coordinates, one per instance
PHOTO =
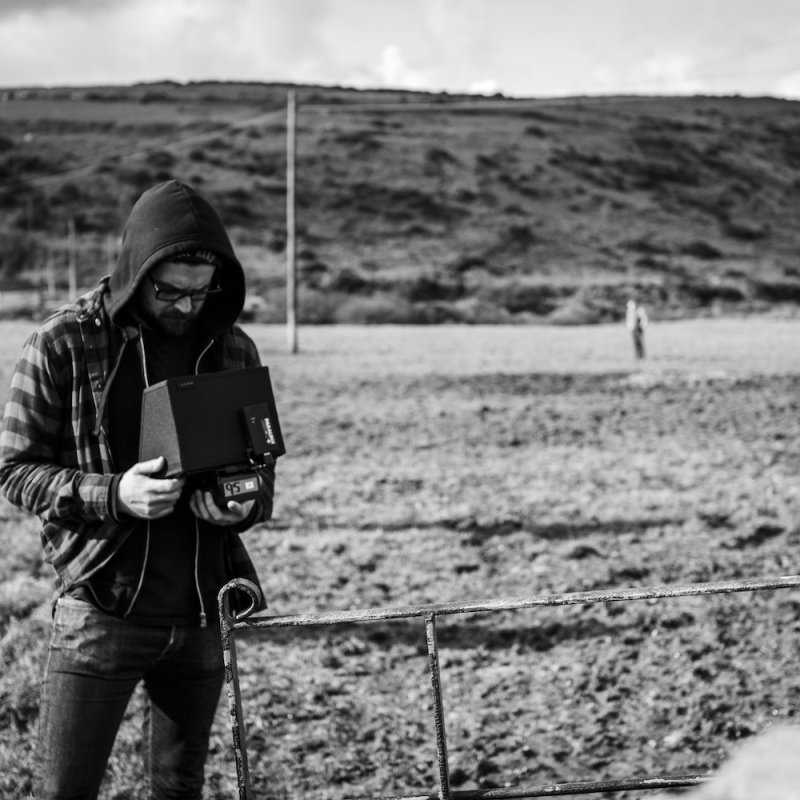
(139, 558)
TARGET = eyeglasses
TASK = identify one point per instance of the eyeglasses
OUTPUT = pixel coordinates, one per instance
(171, 294)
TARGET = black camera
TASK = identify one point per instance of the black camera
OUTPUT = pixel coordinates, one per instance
(217, 429)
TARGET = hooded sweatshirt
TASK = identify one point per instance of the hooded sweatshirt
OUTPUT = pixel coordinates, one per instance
(169, 220)
(169, 569)
(57, 459)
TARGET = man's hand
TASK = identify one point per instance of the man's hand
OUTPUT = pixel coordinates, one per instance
(204, 507)
(141, 495)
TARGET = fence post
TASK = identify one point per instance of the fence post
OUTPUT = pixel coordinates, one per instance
(227, 619)
(72, 260)
(438, 709)
(291, 266)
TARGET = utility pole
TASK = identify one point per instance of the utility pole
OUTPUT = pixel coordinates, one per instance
(291, 267)
(51, 277)
(110, 252)
(72, 261)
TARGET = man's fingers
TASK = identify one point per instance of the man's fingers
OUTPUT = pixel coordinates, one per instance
(150, 467)
(165, 486)
(203, 506)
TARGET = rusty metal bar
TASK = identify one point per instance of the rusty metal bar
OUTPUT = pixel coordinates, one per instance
(226, 625)
(556, 789)
(509, 604)
(243, 620)
(438, 709)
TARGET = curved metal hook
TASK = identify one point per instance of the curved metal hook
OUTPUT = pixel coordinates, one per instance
(249, 588)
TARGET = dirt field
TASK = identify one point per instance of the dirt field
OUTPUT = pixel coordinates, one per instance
(449, 464)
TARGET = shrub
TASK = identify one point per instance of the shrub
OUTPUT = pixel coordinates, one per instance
(377, 309)
(652, 174)
(531, 298)
(778, 291)
(536, 130)
(18, 251)
(237, 206)
(140, 178)
(156, 97)
(707, 293)
(436, 158)
(361, 141)
(475, 311)
(97, 217)
(427, 289)
(161, 159)
(348, 281)
(575, 311)
(16, 166)
(700, 249)
(465, 263)
(746, 231)
(317, 307)
(313, 272)
(68, 193)
(645, 244)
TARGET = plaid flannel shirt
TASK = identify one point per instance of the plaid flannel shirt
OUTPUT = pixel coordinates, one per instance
(54, 455)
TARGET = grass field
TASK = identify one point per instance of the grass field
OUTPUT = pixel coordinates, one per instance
(461, 463)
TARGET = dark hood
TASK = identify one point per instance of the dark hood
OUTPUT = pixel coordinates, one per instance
(168, 219)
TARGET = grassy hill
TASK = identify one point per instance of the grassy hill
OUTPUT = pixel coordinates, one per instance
(415, 207)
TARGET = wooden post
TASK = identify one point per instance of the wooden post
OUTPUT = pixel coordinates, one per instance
(291, 269)
(72, 261)
(51, 277)
(110, 252)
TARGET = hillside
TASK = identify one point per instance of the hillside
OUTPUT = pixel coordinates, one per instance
(416, 207)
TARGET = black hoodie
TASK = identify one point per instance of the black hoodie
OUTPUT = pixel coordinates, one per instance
(167, 220)
(151, 578)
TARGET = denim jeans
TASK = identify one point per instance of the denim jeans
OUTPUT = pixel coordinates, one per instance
(94, 665)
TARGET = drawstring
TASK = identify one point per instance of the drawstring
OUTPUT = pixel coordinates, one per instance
(144, 359)
(203, 617)
(141, 574)
(200, 357)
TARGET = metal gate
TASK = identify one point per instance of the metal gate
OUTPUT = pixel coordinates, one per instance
(231, 622)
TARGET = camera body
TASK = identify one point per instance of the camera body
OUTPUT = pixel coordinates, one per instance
(216, 429)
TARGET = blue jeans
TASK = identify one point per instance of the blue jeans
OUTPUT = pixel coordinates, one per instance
(94, 665)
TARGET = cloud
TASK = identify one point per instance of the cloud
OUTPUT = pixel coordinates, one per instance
(143, 40)
(394, 71)
(520, 47)
(665, 72)
(458, 25)
(485, 86)
(788, 86)
(9, 8)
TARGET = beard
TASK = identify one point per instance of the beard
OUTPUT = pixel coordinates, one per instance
(173, 324)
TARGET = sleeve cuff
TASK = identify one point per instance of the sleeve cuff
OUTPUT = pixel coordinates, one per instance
(113, 498)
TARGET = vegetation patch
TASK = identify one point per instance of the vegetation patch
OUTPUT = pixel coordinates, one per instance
(565, 193)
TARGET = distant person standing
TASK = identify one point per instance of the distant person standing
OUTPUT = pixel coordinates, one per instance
(636, 322)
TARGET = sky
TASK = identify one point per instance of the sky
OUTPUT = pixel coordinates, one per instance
(520, 48)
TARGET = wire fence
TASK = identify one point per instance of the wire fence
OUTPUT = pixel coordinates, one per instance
(232, 622)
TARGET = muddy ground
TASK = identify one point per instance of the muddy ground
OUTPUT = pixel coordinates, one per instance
(406, 485)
